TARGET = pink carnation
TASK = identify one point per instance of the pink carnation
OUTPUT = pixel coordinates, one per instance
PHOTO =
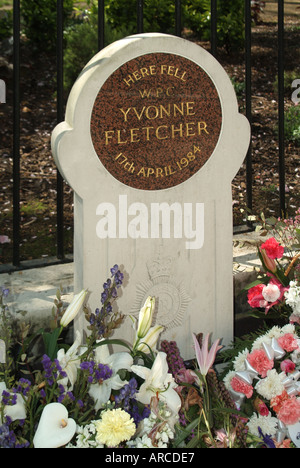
(242, 387)
(288, 342)
(273, 248)
(260, 362)
(289, 412)
(287, 366)
(266, 296)
(255, 297)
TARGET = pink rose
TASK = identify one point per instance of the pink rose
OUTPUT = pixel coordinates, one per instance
(273, 248)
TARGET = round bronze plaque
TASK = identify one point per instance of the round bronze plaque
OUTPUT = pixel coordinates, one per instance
(156, 121)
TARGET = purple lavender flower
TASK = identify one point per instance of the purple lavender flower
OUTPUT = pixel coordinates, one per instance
(126, 400)
(96, 372)
(52, 370)
(98, 319)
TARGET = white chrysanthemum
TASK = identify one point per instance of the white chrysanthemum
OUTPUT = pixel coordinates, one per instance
(257, 344)
(267, 424)
(239, 361)
(289, 328)
(295, 356)
(271, 386)
(292, 297)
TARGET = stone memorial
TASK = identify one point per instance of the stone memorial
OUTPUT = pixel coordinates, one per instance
(151, 141)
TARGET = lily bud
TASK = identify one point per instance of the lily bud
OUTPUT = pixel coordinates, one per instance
(73, 308)
(269, 263)
(145, 317)
(150, 340)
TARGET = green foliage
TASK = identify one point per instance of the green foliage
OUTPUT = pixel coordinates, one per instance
(230, 21)
(39, 21)
(6, 24)
(292, 125)
(82, 44)
(158, 15)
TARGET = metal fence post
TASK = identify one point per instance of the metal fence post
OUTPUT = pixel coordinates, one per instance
(16, 133)
(281, 118)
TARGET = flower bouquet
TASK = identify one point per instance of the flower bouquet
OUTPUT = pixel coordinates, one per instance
(55, 393)
(277, 289)
(264, 382)
(263, 377)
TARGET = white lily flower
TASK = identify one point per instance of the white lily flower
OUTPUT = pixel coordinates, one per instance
(55, 429)
(14, 412)
(149, 342)
(158, 381)
(101, 391)
(69, 362)
(74, 308)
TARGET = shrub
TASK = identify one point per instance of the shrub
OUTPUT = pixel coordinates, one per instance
(230, 21)
(6, 24)
(39, 21)
(159, 15)
(82, 44)
(292, 125)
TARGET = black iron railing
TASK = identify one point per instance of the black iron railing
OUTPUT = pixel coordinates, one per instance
(60, 103)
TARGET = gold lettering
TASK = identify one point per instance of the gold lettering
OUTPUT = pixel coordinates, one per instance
(158, 130)
(128, 80)
(142, 172)
(177, 130)
(181, 111)
(152, 69)
(137, 76)
(182, 77)
(150, 171)
(147, 132)
(125, 113)
(202, 128)
(155, 114)
(139, 116)
(120, 142)
(189, 108)
(145, 93)
(165, 111)
(133, 136)
(144, 72)
(108, 136)
(189, 129)
(163, 69)
(159, 172)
